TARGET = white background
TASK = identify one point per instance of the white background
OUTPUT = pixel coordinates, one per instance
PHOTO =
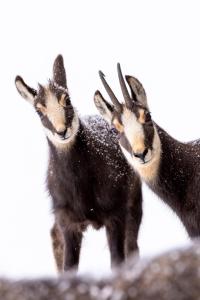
(156, 41)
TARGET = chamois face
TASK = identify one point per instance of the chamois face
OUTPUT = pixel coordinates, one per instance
(53, 105)
(137, 133)
(138, 136)
(56, 113)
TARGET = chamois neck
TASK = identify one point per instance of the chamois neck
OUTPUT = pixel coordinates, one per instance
(175, 158)
(175, 170)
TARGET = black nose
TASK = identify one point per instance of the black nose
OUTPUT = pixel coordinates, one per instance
(62, 133)
(141, 155)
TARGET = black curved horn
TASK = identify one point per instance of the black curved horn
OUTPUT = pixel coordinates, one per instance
(113, 98)
(124, 89)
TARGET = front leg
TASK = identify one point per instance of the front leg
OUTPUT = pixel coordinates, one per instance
(72, 246)
(133, 221)
(58, 246)
(132, 228)
(115, 231)
(72, 237)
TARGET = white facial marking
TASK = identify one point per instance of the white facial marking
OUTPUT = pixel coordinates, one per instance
(133, 131)
(55, 112)
(148, 170)
(69, 136)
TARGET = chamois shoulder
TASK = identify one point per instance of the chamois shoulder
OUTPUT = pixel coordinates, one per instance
(97, 127)
(101, 136)
(102, 142)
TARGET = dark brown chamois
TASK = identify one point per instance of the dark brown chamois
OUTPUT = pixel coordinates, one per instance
(170, 168)
(88, 178)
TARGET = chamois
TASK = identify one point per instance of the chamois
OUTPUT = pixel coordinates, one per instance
(169, 167)
(88, 178)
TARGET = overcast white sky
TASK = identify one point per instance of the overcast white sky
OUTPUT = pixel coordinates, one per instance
(156, 41)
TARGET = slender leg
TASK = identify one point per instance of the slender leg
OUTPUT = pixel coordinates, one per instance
(116, 235)
(72, 237)
(133, 221)
(58, 246)
(132, 228)
(72, 246)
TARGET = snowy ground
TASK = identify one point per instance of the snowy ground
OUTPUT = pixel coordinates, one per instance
(156, 41)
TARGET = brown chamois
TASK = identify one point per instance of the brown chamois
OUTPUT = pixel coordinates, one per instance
(170, 168)
(172, 275)
(88, 179)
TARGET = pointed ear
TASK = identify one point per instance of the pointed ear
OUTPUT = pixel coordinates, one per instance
(59, 75)
(137, 90)
(25, 91)
(105, 108)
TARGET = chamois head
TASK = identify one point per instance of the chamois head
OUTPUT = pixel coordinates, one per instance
(53, 105)
(132, 119)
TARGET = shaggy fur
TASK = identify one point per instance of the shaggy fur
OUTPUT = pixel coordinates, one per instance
(92, 184)
(178, 178)
(170, 168)
(88, 178)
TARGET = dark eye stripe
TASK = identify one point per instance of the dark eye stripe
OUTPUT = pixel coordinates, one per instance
(147, 117)
(125, 143)
(149, 134)
(47, 123)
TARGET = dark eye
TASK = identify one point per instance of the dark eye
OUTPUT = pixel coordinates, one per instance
(41, 109)
(39, 112)
(147, 117)
(41, 115)
(65, 100)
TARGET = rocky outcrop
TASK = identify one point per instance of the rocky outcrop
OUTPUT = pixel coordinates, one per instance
(173, 275)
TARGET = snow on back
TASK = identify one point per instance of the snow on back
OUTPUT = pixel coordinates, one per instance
(101, 131)
(102, 139)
